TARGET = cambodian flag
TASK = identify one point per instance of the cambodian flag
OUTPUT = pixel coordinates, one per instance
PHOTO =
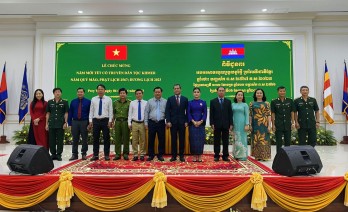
(3, 96)
(232, 51)
(345, 92)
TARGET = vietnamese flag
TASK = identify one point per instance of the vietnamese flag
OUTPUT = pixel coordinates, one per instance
(116, 52)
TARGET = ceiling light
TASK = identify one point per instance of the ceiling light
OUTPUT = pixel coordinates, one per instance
(202, 10)
(140, 11)
(264, 10)
(80, 12)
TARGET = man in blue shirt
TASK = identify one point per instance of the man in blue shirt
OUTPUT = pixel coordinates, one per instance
(78, 122)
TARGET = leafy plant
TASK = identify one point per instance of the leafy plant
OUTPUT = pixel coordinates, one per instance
(324, 137)
(21, 136)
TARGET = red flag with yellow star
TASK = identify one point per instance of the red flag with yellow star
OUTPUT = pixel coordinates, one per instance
(118, 52)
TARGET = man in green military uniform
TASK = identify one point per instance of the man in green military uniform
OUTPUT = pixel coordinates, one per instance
(121, 108)
(283, 120)
(306, 122)
(56, 122)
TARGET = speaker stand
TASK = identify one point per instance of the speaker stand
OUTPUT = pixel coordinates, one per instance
(3, 139)
(345, 140)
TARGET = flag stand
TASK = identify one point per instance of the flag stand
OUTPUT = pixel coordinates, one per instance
(3, 137)
(345, 138)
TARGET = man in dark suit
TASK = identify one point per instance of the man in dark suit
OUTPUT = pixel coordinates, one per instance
(176, 117)
(221, 122)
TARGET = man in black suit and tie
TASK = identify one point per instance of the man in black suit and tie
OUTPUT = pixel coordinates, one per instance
(221, 122)
(176, 117)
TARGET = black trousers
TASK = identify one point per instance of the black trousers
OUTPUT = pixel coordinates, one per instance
(174, 130)
(79, 128)
(279, 138)
(101, 125)
(156, 128)
(312, 136)
(221, 134)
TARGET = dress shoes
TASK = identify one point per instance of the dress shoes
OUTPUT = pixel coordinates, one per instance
(117, 157)
(125, 157)
(142, 158)
(135, 158)
(94, 158)
(160, 158)
(149, 159)
(59, 158)
(84, 157)
(54, 157)
(172, 159)
(182, 159)
(73, 157)
(225, 159)
(107, 157)
(216, 159)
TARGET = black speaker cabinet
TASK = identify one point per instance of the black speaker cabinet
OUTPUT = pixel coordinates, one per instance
(297, 160)
(30, 159)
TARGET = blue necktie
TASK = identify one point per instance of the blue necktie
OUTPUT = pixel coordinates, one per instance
(100, 106)
(139, 110)
(221, 101)
(158, 115)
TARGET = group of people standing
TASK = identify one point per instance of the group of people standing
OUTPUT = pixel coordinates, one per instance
(49, 119)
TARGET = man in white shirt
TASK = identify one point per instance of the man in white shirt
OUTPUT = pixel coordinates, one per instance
(137, 126)
(100, 118)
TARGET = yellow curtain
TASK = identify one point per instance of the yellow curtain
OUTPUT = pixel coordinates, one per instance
(314, 203)
(115, 203)
(346, 190)
(259, 197)
(18, 202)
(217, 202)
(159, 198)
(65, 191)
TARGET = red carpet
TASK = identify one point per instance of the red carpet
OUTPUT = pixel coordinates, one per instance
(122, 167)
(2, 155)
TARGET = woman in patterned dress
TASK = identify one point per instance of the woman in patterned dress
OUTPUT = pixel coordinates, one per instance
(240, 126)
(260, 120)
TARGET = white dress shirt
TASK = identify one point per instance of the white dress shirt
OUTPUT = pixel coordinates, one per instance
(106, 108)
(133, 111)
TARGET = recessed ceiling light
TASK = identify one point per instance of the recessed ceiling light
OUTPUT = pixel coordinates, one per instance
(264, 10)
(140, 11)
(202, 10)
(80, 12)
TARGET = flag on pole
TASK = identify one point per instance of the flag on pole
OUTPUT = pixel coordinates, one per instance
(345, 92)
(23, 102)
(328, 111)
(3, 96)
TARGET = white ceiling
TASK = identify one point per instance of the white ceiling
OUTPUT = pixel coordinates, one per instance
(28, 8)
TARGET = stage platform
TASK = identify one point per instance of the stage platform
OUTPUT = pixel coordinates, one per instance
(138, 190)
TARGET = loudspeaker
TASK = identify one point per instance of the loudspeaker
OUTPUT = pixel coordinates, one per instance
(30, 159)
(297, 160)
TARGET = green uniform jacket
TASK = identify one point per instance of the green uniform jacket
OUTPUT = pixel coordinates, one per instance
(121, 109)
(57, 111)
(305, 111)
(282, 111)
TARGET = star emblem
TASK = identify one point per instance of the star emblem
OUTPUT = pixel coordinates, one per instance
(116, 52)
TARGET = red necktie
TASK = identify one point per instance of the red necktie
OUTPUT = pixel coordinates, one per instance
(79, 110)
(177, 100)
